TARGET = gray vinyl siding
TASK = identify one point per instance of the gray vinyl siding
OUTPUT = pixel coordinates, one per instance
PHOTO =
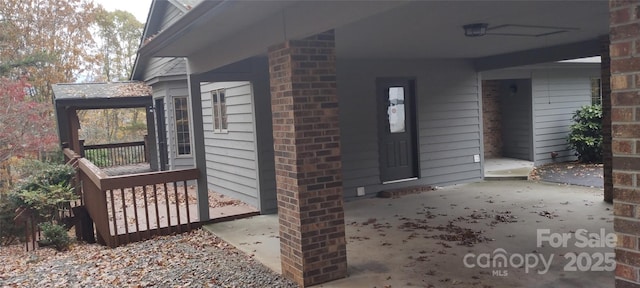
(163, 66)
(449, 129)
(516, 119)
(155, 68)
(168, 91)
(171, 15)
(557, 94)
(231, 156)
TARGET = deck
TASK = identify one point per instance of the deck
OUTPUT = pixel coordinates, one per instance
(129, 203)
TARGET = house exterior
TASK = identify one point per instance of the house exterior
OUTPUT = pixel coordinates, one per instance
(364, 96)
(527, 110)
(168, 79)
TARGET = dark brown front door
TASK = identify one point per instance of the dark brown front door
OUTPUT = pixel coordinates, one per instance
(397, 129)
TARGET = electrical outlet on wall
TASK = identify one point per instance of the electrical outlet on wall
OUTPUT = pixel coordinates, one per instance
(360, 191)
(476, 158)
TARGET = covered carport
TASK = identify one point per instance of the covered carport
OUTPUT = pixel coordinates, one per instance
(288, 33)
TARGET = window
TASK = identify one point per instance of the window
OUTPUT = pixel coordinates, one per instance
(219, 111)
(395, 110)
(183, 140)
(596, 91)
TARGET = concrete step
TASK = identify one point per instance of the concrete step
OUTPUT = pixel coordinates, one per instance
(509, 174)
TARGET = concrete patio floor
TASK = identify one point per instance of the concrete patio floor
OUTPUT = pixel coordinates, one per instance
(414, 241)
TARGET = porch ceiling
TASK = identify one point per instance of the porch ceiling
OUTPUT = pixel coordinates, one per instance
(433, 29)
(229, 31)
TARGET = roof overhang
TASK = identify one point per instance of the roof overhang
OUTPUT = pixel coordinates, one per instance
(216, 33)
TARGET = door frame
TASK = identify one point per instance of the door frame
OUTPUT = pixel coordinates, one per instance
(161, 127)
(411, 116)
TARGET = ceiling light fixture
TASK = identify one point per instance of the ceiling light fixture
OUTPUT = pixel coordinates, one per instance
(475, 29)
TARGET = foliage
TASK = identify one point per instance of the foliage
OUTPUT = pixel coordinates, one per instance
(586, 134)
(46, 191)
(47, 201)
(113, 125)
(44, 174)
(99, 157)
(56, 235)
(26, 126)
(56, 31)
(119, 34)
(9, 231)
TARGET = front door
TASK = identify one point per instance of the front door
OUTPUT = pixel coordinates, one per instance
(397, 129)
(162, 134)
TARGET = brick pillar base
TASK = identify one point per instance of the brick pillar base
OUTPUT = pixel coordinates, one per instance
(625, 130)
(306, 136)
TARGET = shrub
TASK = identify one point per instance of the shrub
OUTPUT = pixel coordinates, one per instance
(46, 192)
(44, 174)
(9, 231)
(54, 234)
(47, 200)
(586, 134)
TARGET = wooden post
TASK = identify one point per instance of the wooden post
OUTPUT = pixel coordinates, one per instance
(84, 224)
(197, 148)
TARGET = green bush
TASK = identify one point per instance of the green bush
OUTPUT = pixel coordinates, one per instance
(44, 174)
(586, 134)
(45, 192)
(9, 231)
(47, 200)
(54, 234)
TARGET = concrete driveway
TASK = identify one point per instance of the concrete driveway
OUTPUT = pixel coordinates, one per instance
(458, 236)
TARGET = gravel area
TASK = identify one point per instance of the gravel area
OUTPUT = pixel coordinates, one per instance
(195, 259)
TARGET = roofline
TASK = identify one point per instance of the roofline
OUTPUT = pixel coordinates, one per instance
(132, 75)
(178, 28)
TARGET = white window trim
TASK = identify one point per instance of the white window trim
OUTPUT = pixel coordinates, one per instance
(175, 128)
(215, 94)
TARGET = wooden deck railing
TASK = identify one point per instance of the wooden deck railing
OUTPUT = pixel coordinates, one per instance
(136, 207)
(116, 154)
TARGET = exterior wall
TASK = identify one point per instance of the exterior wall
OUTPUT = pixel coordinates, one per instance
(232, 156)
(156, 68)
(171, 14)
(449, 127)
(625, 131)
(557, 94)
(491, 119)
(557, 91)
(168, 91)
(515, 100)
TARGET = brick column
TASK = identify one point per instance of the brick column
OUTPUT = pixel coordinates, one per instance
(605, 89)
(306, 136)
(625, 130)
(491, 119)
